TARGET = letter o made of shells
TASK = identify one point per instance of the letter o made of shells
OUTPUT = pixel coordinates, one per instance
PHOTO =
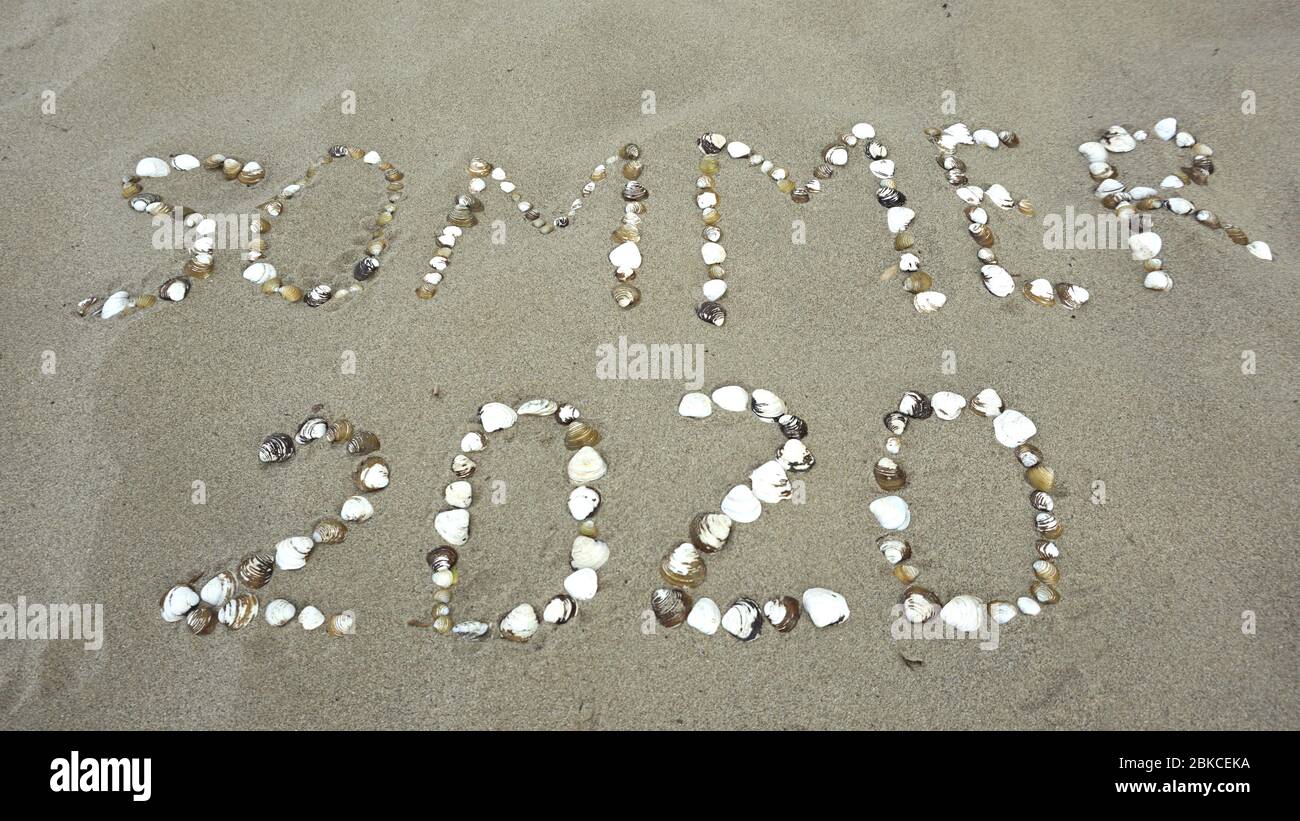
(892, 513)
(682, 570)
(859, 139)
(230, 596)
(1133, 207)
(452, 524)
(625, 167)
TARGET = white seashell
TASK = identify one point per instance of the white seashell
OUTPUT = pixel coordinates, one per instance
(280, 612)
(588, 552)
(289, 190)
(372, 474)
(1042, 291)
(1178, 205)
(559, 610)
(968, 614)
(356, 509)
(496, 416)
(537, 407)
(927, 302)
(1118, 140)
(1145, 245)
(310, 617)
(218, 589)
(1000, 196)
(1072, 295)
(453, 526)
(1170, 181)
(770, 482)
(705, 616)
(185, 162)
(259, 272)
(583, 502)
(898, 218)
(1141, 192)
(625, 255)
(731, 398)
(883, 169)
(1002, 612)
(1183, 139)
(794, 455)
(1012, 428)
(1260, 249)
(909, 262)
(986, 138)
(971, 194)
(997, 280)
(471, 630)
(825, 607)
(1108, 186)
(459, 494)
(116, 303)
(581, 584)
(1157, 281)
(766, 405)
(152, 167)
(1093, 151)
(737, 150)
(342, 624)
(960, 134)
(743, 620)
(714, 289)
(893, 444)
(519, 624)
(891, 512)
(1166, 128)
(863, 131)
(371, 158)
(741, 504)
(472, 442)
(1029, 605)
(978, 216)
(947, 405)
(695, 405)
(292, 553)
(179, 601)
(713, 253)
(837, 156)
(586, 466)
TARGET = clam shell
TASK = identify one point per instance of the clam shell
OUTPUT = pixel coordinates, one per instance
(372, 474)
(202, 620)
(177, 602)
(1046, 571)
(1002, 612)
(340, 430)
(462, 466)
(899, 218)
(560, 609)
(987, 403)
(218, 590)
(732, 398)
(452, 526)
(906, 573)
(891, 512)
(255, 570)
(709, 531)
(1047, 549)
(1039, 500)
(589, 553)
(712, 313)
(1012, 428)
(968, 614)
(310, 617)
(152, 167)
(356, 509)
(782, 613)
(741, 505)
(627, 295)
(276, 448)
(997, 280)
(683, 566)
(915, 405)
(581, 584)
(174, 289)
(520, 624)
(292, 553)
(1144, 246)
(1048, 524)
(1040, 292)
(889, 476)
(537, 407)
(1166, 128)
(711, 143)
(496, 416)
(919, 604)
(896, 422)
(1157, 281)
(1028, 455)
(580, 434)
(695, 405)
(794, 455)
(1028, 606)
(586, 466)
(1000, 196)
(770, 482)
(566, 413)
(1041, 477)
(363, 442)
(766, 405)
(341, 624)
(318, 296)
(472, 442)
(947, 405)
(239, 612)
(670, 605)
(705, 616)
(1044, 593)
(280, 612)
(792, 427)
(825, 607)
(1070, 295)
(583, 502)
(471, 630)
(894, 550)
(311, 429)
(1260, 250)
(743, 619)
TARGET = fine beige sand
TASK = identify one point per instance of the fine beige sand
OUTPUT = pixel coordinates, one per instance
(1144, 392)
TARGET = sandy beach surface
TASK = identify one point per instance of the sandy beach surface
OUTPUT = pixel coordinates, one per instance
(1178, 606)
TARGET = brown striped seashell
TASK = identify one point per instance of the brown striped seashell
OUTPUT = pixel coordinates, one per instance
(1047, 549)
(1028, 455)
(341, 624)
(1048, 525)
(1044, 593)
(1041, 477)
(1039, 500)
(1208, 219)
(919, 604)
(683, 566)
(363, 442)
(906, 573)
(213, 161)
(630, 151)
(896, 422)
(276, 448)
(201, 620)
(329, 531)
(1009, 138)
(579, 434)
(626, 295)
(462, 466)
(634, 191)
(372, 475)
(1236, 234)
(1047, 571)
(231, 166)
(239, 612)
(894, 549)
(174, 289)
(339, 431)
(712, 313)
(670, 606)
(889, 476)
(251, 173)
(981, 233)
(918, 281)
(710, 531)
(782, 613)
(255, 570)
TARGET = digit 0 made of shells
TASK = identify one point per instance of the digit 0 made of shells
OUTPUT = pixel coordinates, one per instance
(1012, 429)
(683, 569)
(588, 552)
(227, 596)
(626, 167)
(1135, 206)
(980, 201)
(833, 158)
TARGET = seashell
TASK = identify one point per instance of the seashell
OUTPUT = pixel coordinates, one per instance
(586, 466)
(1041, 477)
(1183, 139)
(1044, 593)
(310, 430)
(1236, 234)
(1012, 428)
(371, 475)
(581, 584)
(280, 612)
(986, 256)
(363, 442)
(218, 590)
(152, 167)
(255, 570)
(792, 427)
(453, 526)
(899, 218)
(251, 173)
(896, 422)
(919, 604)
(709, 531)
(732, 398)
(890, 197)
(340, 430)
(713, 253)
(1028, 455)
(1002, 612)
(471, 630)
(1047, 549)
(695, 406)
(520, 624)
(741, 504)
(683, 566)
(670, 605)
(341, 624)
(588, 552)
(959, 134)
(174, 289)
(626, 295)
(1166, 128)
(239, 612)
(318, 296)
(1207, 218)
(259, 273)
(580, 434)
(1093, 151)
(1180, 206)
(982, 234)
(985, 137)
(184, 162)
(915, 405)
(711, 143)
(927, 302)
(894, 550)
(705, 616)
(987, 403)
(276, 448)
(1158, 281)
(1039, 500)
(1048, 525)
(1028, 606)
(365, 268)
(909, 262)
(917, 281)
(968, 614)
(1108, 186)
(766, 405)
(462, 466)
(496, 416)
(1040, 292)
(310, 617)
(947, 405)
(712, 313)
(770, 483)
(1117, 140)
(737, 150)
(177, 602)
(537, 407)
(1171, 181)
(882, 169)
(782, 613)
(626, 255)
(1070, 295)
(825, 607)
(999, 196)
(891, 512)
(893, 444)
(1046, 571)
(566, 413)
(743, 619)
(634, 191)
(971, 194)
(472, 442)
(1101, 171)
(794, 455)
(837, 155)
(356, 509)
(1260, 250)
(889, 476)
(202, 620)
(292, 553)
(583, 502)
(560, 609)
(863, 131)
